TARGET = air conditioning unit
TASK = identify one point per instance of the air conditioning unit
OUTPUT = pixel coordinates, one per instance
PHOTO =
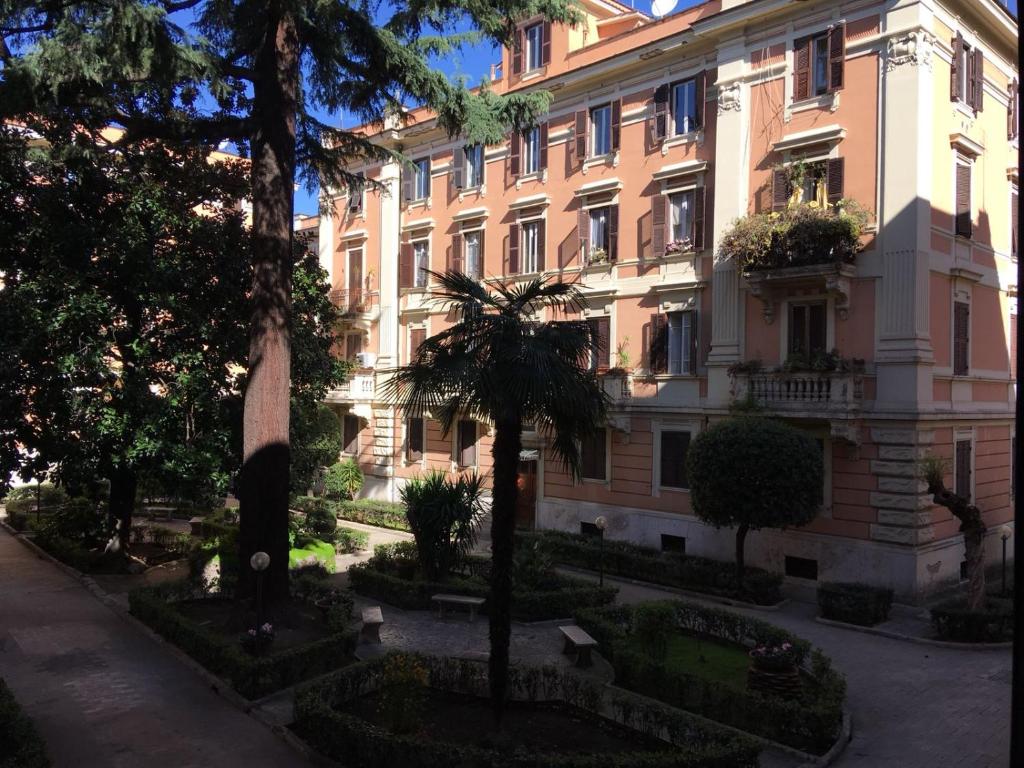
(366, 359)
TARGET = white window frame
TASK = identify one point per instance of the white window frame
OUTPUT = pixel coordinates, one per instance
(456, 452)
(959, 158)
(691, 83)
(593, 216)
(533, 43)
(830, 325)
(524, 252)
(693, 427)
(605, 109)
(418, 273)
(474, 168)
(607, 461)
(478, 234)
(421, 180)
(691, 195)
(531, 151)
(685, 350)
(422, 462)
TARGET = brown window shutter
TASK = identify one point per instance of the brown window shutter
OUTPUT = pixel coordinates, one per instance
(659, 344)
(416, 337)
(517, 51)
(545, 47)
(1013, 347)
(802, 69)
(1014, 234)
(350, 434)
(694, 337)
(405, 265)
(408, 181)
(961, 338)
(616, 124)
(580, 135)
(963, 199)
(969, 62)
(659, 225)
(459, 167)
(543, 133)
(355, 277)
(1011, 110)
(700, 86)
(583, 234)
(978, 70)
(955, 93)
(834, 179)
(962, 471)
(659, 123)
(613, 232)
(781, 189)
(455, 262)
(480, 258)
(353, 346)
(467, 443)
(541, 239)
(513, 249)
(697, 236)
(604, 333)
(414, 430)
(836, 57)
(515, 142)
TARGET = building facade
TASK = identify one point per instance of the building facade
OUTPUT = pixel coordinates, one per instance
(661, 133)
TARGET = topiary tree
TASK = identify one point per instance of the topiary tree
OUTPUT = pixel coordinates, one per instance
(316, 442)
(343, 480)
(752, 472)
(442, 515)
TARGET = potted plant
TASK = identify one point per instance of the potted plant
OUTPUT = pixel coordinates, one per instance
(773, 658)
(773, 670)
(258, 639)
(682, 245)
(597, 256)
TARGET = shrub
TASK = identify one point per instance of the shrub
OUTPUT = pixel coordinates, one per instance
(79, 520)
(954, 622)
(308, 552)
(383, 514)
(861, 604)
(21, 746)
(349, 540)
(22, 500)
(320, 521)
(442, 514)
(653, 624)
(343, 480)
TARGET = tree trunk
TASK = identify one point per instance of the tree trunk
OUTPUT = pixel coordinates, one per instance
(265, 448)
(123, 484)
(741, 540)
(507, 444)
(973, 529)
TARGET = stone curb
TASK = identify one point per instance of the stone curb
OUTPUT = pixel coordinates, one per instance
(685, 592)
(1006, 645)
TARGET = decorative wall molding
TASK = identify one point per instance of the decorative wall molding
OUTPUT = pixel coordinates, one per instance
(729, 99)
(913, 48)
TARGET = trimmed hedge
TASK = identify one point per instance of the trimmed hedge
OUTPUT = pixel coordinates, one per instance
(527, 605)
(251, 676)
(810, 722)
(994, 624)
(620, 558)
(21, 746)
(344, 736)
(852, 603)
(383, 514)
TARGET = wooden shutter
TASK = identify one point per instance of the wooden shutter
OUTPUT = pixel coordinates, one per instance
(350, 434)
(616, 124)
(659, 225)
(541, 238)
(355, 278)
(659, 344)
(1014, 234)
(455, 260)
(459, 168)
(613, 232)
(802, 69)
(1011, 110)
(408, 183)
(659, 122)
(1013, 347)
(467, 443)
(353, 346)
(480, 257)
(836, 57)
(955, 92)
(961, 338)
(517, 51)
(405, 265)
(543, 138)
(414, 430)
(515, 143)
(834, 180)
(416, 337)
(580, 135)
(697, 236)
(963, 199)
(962, 469)
(603, 328)
(780, 189)
(699, 88)
(978, 72)
(545, 46)
(513, 249)
(693, 342)
(583, 234)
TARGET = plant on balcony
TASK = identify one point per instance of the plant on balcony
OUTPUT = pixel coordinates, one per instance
(802, 235)
(745, 368)
(597, 256)
(822, 362)
(750, 472)
(684, 245)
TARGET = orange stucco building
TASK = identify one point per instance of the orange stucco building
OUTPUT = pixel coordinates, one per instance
(660, 134)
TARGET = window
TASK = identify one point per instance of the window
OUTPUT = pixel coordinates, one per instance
(674, 445)
(414, 442)
(1014, 196)
(466, 446)
(350, 434)
(601, 130)
(600, 327)
(819, 63)
(962, 468)
(531, 150)
(961, 338)
(531, 247)
(421, 263)
(681, 343)
(684, 107)
(471, 265)
(355, 195)
(967, 74)
(534, 36)
(474, 165)
(594, 455)
(963, 223)
(808, 329)
(681, 205)
(421, 179)
(675, 544)
(814, 184)
(801, 568)
(353, 346)
(598, 234)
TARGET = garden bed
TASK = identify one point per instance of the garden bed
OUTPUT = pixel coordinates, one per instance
(21, 746)
(630, 561)
(953, 622)
(554, 719)
(382, 514)
(809, 721)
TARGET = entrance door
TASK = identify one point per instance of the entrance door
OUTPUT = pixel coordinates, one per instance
(526, 505)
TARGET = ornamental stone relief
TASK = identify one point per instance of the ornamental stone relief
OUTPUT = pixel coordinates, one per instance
(914, 48)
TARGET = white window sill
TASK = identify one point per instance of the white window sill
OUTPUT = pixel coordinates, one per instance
(603, 266)
(682, 139)
(594, 481)
(670, 489)
(420, 202)
(829, 100)
(534, 73)
(675, 376)
(476, 189)
(965, 109)
(608, 159)
(541, 176)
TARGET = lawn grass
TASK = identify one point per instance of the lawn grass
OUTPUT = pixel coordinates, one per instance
(321, 550)
(712, 661)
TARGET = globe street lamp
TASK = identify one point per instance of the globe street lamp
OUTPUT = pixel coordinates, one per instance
(601, 524)
(259, 561)
(1005, 532)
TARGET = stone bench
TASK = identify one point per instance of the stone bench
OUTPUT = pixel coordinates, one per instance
(457, 601)
(373, 618)
(579, 642)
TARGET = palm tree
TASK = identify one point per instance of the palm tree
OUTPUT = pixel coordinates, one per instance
(500, 362)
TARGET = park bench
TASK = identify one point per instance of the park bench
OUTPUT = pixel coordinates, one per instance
(373, 617)
(463, 601)
(579, 642)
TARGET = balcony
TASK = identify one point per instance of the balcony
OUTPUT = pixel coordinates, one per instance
(358, 388)
(813, 392)
(355, 302)
(618, 387)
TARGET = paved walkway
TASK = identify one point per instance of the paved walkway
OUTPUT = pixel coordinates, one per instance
(103, 694)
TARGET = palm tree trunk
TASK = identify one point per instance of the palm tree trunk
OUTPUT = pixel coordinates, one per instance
(741, 540)
(507, 444)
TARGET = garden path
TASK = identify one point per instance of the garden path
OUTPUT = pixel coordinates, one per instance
(102, 693)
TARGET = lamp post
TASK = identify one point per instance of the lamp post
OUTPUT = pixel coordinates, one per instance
(259, 562)
(1005, 532)
(601, 524)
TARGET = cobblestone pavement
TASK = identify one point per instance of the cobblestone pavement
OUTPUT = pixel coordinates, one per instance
(103, 694)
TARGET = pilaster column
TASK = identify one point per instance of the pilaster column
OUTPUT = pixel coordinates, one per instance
(325, 238)
(387, 259)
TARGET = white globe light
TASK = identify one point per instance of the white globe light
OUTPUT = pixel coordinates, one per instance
(259, 561)
(601, 523)
(1005, 532)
